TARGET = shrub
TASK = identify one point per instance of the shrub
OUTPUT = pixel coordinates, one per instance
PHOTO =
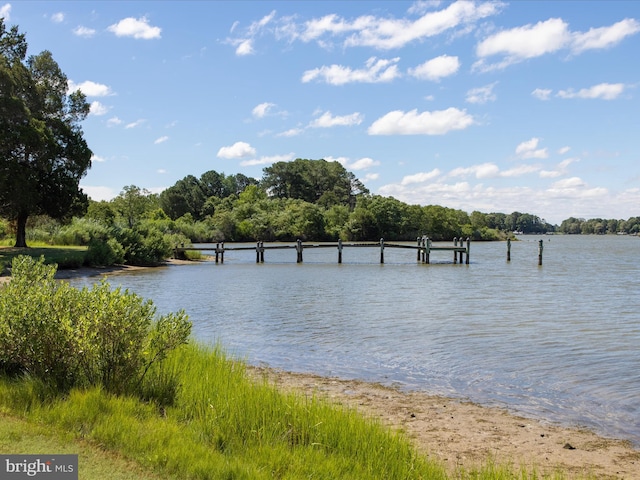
(69, 337)
(102, 252)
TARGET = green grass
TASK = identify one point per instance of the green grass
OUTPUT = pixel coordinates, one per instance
(63, 256)
(21, 436)
(216, 422)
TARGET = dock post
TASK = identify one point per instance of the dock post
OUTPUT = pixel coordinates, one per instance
(222, 254)
(508, 249)
(424, 249)
(428, 250)
(217, 251)
(339, 251)
(261, 251)
(418, 259)
(540, 248)
(468, 250)
(299, 251)
(382, 250)
(258, 251)
(455, 253)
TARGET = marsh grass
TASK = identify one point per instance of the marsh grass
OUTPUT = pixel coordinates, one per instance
(210, 420)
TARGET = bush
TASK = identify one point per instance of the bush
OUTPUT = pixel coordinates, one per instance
(69, 337)
(144, 248)
(103, 252)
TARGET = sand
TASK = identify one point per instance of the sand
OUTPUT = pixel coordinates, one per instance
(465, 434)
(459, 434)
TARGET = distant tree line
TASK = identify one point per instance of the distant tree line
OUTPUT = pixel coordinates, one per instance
(600, 226)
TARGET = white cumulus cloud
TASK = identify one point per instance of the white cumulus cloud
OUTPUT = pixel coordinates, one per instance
(237, 150)
(375, 71)
(91, 89)
(86, 32)
(529, 149)
(327, 120)
(436, 68)
(137, 28)
(438, 122)
(604, 91)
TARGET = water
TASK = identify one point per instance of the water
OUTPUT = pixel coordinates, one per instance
(560, 342)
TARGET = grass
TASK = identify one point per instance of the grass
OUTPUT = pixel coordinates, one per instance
(210, 420)
(21, 436)
(63, 256)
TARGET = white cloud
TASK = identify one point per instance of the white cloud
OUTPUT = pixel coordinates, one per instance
(542, 93)
(604, 91)
(388, 33)
(525, 42)
(86, 32)
(135, 124)
(563, 150)
(528, 149)
(90, 89)
(482, 95)
(99, 193)
(326, 120)
(161, 171)
(113, 121)
(98, 109)
(292, 132)
(561, 169)
(604, 37)
(57, 17)
(361, 164)
(237, 150)
(376, 71)
(267, 160)
(244, 47)
(262, 110)
(436, 68)
(96, 158)
(420, 177)
(137, 28)
(549, 36)
(5, 11)
(438, 122)
(161, 140)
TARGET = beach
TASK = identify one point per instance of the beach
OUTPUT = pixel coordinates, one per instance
(462, 434)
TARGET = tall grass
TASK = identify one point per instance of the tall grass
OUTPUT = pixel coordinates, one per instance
(210, 420)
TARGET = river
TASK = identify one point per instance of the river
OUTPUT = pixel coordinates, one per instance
(558, 342)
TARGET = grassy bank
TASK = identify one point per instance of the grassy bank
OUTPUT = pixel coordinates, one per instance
(222, 424)
(63, 256)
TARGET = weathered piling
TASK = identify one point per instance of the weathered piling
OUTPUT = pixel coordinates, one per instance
(540, 248)
(339, 251)
(382, 250)
(508, 249)
(455, 254)
(299, 251)
(468, 250)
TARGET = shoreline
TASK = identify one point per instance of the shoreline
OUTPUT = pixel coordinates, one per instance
(462, 434)
(456, 432)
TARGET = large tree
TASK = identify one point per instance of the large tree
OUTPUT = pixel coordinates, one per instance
(43, 154)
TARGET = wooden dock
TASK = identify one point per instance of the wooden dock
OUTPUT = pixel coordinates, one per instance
(423, 248)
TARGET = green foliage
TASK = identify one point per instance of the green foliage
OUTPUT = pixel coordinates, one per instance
(42, 147)
(68, 337)
(104, 252)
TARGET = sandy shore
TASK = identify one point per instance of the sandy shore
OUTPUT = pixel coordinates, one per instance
(457, 433)
(465, 434)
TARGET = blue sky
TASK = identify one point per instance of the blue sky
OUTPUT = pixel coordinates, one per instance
(490, 106)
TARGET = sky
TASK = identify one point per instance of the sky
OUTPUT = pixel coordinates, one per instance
(529, 106)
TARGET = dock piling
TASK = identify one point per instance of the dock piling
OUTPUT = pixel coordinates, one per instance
(540, 248)
(508, 249)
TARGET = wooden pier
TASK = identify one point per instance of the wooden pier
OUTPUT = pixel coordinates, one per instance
(423, 248)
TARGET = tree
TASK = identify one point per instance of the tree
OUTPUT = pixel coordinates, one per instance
(43, 153)
(133, 203)
(314, 181)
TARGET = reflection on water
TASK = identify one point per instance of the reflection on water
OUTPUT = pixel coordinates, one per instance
(558, 342)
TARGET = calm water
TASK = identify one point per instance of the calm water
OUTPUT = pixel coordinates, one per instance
(559, 342)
